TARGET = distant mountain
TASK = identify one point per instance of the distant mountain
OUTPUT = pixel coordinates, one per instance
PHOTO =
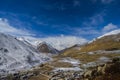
(46, 48)
(16, 55)
(59, 43)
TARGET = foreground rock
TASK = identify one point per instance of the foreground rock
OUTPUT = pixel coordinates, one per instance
(108, 71)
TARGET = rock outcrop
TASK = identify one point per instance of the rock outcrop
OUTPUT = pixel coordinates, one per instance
(108, 71)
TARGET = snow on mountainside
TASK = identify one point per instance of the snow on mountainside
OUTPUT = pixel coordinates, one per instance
(114, 32)
(59, 43)
(29, 41)
(108, 42)
(16, 55)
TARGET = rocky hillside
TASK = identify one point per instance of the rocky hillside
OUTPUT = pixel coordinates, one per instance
(16, 55)
(46, 48)
(108, 71)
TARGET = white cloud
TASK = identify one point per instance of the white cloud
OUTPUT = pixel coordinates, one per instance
(5, 27)
(109, 27)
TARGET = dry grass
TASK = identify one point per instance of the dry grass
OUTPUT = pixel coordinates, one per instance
(61, 64)
(105, 43)
(39, 77)
(47, 68)
(85, 57)
(101, 45)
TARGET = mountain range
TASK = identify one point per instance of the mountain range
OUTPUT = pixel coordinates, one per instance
(21, 53)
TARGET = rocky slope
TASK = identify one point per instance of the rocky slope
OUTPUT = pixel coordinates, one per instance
(107, 71)
(46, 48)
(16, 55)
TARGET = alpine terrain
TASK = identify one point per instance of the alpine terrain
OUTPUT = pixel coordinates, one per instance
(16, 55)
(21, 60)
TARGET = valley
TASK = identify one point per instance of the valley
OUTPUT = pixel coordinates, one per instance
(91, 61)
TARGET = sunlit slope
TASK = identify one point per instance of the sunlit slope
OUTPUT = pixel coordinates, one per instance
(111, 42)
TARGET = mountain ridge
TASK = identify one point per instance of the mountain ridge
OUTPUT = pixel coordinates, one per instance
(16, 55)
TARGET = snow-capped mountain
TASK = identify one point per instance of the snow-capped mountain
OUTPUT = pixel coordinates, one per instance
(59, 43)
(46, 48)
(41, 46)
(16, 55)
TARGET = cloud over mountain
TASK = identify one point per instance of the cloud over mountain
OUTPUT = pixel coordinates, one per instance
(5, 27)
(109, 27)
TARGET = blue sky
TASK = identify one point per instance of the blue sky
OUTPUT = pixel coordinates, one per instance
(44, 18)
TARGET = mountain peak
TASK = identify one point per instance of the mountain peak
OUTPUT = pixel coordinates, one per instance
(46, 48)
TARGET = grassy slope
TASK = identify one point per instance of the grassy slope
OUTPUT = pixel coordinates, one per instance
(105, 43)
(85, 57)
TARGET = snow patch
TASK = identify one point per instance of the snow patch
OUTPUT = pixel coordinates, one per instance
(68, 69)
(114, 32)
(89, 64)
(91, 53)
(104, 59)
(70, 60)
